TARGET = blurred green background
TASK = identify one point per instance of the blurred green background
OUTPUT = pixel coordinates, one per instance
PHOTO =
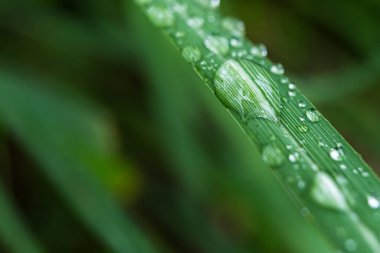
(110, 143)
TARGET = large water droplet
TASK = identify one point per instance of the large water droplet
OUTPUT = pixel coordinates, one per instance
(272, 156)
(191, 54)
(216, 44)
(373, 202)
(210, 3)
(234, 26)
(326, 193)
(160, 16)
(312, 115)
(247, 88)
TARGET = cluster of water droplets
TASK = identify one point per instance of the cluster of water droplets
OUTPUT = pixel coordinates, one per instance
(246, 82)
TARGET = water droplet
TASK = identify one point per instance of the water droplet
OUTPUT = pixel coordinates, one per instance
(284, 80)
(336, 154)
(291, 86)
(277, 69)
(247, 88)
(260, 50)
(292, 94)
(302, 128)
(160, 16)
(234, 26)
(312, 115)
(195, 22)
(216, 44)
(191, 54)
(373, 202)
(350, 245)
(327, 193)
(301, 185)
(236, 42)
(302, 104)
(210, 3)
(293, 157)
(343, 167)
(180, 8)
(272, 156)
(179, 34)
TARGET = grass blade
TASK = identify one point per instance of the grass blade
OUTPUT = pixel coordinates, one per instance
(324, 174)
(73, 149)
(13, 232)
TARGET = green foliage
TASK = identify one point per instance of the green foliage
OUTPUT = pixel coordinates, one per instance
(316, 164)
(109, 141)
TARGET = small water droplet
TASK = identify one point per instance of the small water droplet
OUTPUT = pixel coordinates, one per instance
(373, 202)
(180, 8)
(272, 156)
(350, 245)
(302, 104)
(291, 86)
(301, 185)
(284, 80)
(343, 167)
(195, 22)
(336, 154)
(191, 54)
(277, 69)
(234, 26)
(160, 16)
(179, 34)
(236, 42)
(260, 50)
(293, 157)
(292, 94)
(210, 3)
(216, 44)
(312, 115)
(327, 193)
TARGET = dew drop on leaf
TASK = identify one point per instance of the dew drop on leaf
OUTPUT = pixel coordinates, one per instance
(277, 69)
(336, 154)
(326, 193)
(216, 44)
(312, 115)
(272, 156)
(191, 54)
(350, 245)
(195, 22)
(259, 51)
(247, 88)
(234, 26)
(373, 202)
(160, 16)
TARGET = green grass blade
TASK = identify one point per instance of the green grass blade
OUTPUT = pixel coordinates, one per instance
(234, 182)
(72, 145)
(321, 170)
(13, 232)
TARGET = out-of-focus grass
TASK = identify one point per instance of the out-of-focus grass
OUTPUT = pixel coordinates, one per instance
(189, 189)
